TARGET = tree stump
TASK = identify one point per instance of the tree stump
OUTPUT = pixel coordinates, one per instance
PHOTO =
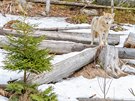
(109, 61)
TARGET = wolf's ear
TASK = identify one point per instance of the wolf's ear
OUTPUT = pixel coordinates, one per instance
(113, 14)
(104, 13)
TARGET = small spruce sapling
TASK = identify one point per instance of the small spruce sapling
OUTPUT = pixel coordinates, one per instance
(23, 53)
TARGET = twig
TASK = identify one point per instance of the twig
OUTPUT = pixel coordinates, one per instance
(92, 96)
(131, 91)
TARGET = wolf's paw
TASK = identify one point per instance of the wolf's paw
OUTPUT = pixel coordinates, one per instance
(101, 43)
(106, 43)
(91, 44)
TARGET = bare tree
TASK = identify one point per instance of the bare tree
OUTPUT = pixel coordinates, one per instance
(47, 8)
(112, 6)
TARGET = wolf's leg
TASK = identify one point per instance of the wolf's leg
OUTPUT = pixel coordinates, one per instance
(106, 38)
(101, 39)
(93, 36)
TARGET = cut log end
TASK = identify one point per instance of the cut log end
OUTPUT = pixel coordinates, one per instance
(109, 61)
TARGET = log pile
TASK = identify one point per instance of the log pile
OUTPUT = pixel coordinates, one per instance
(60, 41)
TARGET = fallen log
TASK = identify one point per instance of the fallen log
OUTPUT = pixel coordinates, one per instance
(81, 4)
(128, 69)
(55, 47)
(130, 41)
(130, 62)
(9, 25)
(80, 38)
(63, 28)
(126, 53)
(109, 60)
(58, 47)
(62, 47)
(65, 68)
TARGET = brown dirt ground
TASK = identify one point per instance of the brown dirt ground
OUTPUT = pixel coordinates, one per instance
(90, 71)
(64, 11)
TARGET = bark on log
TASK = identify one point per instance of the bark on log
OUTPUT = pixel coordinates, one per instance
(130, 41)
(80, 38)
(81, 4)
(65, 68)
(109, 60)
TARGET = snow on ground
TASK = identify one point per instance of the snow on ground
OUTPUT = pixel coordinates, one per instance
(6, 75)
(70, 89)
(3, 98)
(42, 22)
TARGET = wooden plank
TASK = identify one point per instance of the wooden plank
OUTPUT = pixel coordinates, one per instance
(66, 67)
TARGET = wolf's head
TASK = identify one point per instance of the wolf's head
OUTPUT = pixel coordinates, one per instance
(108, 17)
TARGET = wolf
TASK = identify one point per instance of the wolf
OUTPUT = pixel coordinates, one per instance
(100, 27)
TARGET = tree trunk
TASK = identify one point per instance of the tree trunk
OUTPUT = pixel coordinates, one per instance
(109, 61)
(112, 6)
(47, 9)
(65, 68)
